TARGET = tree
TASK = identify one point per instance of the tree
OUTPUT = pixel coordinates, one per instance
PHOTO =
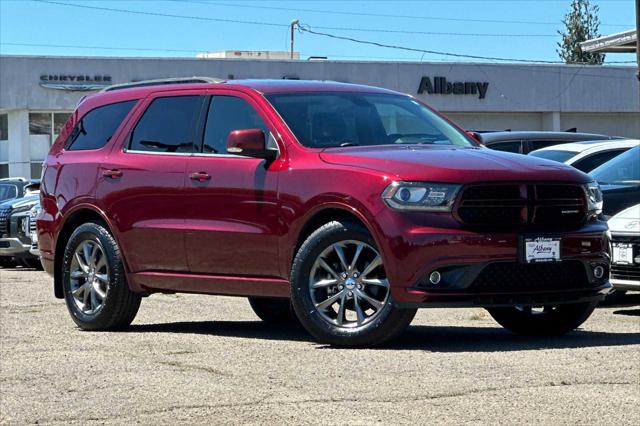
(581, 24)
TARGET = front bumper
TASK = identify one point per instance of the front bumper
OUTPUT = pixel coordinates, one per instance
(468, 262)
(13, 247)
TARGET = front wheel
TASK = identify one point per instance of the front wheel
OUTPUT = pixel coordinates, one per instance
(543, 321)
(94, 283)
(340, 290)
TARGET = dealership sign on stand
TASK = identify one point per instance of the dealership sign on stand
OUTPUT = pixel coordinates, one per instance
(440, 86)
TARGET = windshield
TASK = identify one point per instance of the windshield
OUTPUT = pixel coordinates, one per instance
(623, 169)
(323, 120)
(552, 154)
(8, 191)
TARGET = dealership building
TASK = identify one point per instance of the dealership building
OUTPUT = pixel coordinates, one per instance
(37, 93)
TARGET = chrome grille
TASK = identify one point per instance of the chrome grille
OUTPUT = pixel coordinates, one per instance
(5, 214)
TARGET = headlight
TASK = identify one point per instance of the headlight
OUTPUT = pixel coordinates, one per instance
(424, 196)
(594, 197)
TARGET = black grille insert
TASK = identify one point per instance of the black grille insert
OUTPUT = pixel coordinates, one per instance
(519, 277)
(499, 205)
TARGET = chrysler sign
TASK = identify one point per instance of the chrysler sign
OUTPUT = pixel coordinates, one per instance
(75, 82)
(440, 86)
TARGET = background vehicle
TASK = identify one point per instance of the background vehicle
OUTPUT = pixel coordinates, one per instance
(619, 180)
(12, 188)
(523, 142)
(15, 234)
(586, 156)
(625, 254)
(360, 204)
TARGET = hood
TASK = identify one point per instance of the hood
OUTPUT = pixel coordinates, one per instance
(627, 221)
(25, 202)
(452, 164)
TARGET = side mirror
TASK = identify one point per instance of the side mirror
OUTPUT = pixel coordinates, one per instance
(249, 142)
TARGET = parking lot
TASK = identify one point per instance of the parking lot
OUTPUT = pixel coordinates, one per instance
(200, 359)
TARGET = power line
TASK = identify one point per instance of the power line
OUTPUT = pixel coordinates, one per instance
(164, 15)
(74, 46)
(304, 28)
(272, 24)
(384, 15)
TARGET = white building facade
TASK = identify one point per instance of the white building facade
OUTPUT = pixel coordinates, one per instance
(37, 93)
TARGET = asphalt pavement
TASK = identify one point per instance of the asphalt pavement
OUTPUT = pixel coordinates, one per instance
(191, 359)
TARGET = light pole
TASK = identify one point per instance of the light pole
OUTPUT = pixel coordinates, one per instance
(293, 27)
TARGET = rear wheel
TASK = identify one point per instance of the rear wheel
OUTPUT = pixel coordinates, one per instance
(273, 310)
(340, 291)
(543, 321)
(94, 283)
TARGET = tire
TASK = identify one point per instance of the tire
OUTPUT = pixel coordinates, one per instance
(614, 298)
(327, 322)
(32, 262)
(7, 262)
(273, 310)
(118, 305)
(552, 321)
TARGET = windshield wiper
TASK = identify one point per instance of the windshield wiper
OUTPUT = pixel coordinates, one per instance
(349, 144)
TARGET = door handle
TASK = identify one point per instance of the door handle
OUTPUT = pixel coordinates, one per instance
(112, 173)
(200, 176)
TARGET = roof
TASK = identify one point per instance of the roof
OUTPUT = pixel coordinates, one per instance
(494, 137)
(279, 86)
(624, 42)
(140, 89)
(596, 145)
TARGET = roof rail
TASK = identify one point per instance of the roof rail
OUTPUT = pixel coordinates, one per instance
(162, 81)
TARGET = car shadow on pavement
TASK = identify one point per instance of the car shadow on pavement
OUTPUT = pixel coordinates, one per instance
(242, 329)
(495, 339)
(417, 337)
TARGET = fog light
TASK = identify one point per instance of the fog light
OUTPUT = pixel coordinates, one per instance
(598, 272)
(435, 277)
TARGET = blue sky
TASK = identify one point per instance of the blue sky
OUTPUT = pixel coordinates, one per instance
(26, 26)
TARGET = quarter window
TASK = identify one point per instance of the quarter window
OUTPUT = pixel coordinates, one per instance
(97, 127)
(515, 146)
(226, 114)
(168, 125)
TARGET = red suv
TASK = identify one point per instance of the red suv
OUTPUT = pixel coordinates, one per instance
(343, 207)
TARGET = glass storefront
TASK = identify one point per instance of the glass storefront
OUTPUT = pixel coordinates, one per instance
(44, 128)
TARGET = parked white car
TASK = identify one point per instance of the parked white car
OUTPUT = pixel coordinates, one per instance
(625, 249)
(587, 155)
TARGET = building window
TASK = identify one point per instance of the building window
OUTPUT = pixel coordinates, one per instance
(4, 171)
(47, 123)
(40, 123)
(4, 127)
(36, 170)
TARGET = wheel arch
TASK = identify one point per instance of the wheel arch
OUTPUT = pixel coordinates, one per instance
(325, 214)
(75, 218)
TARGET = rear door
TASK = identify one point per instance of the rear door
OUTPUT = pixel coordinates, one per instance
(231, 200)
(141, 183)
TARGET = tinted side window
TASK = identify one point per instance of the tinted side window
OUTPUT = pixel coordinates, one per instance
(228, 113)
(507, 146)
(168, 125)
(591, 162)
(97, 126)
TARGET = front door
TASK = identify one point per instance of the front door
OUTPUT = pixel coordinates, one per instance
(231, 215)
(142, 183)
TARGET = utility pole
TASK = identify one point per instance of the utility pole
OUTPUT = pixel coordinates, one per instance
(293, 27)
